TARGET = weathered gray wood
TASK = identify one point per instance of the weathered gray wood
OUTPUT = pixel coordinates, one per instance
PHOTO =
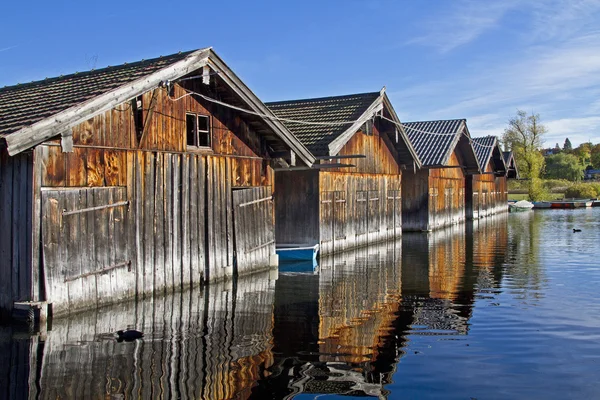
(6, 234)
(159, 226)
(102, 247)
(210, 182)
(193, 221)
(70, 236)
(148, 235)
(36, 231)
(168, 218)
(229, 211)
(185, 221)
(177, 222)
(139, 221)
(17, 205)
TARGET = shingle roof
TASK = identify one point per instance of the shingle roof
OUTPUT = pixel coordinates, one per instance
(484, 147)
(25, 104)
(434, 141)
(325, 109)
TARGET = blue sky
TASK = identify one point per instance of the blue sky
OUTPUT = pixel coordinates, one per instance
(480, 60)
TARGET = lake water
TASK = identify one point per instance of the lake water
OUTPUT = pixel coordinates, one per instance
(503, 308)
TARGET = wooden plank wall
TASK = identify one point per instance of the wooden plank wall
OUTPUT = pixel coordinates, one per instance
(490, 194)
(179, 228)
(434, 197)
(355, 210)
(16, 215)
(254, 231)
(213, 342)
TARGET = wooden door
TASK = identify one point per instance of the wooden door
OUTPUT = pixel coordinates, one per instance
(85, 246)
(254, 228)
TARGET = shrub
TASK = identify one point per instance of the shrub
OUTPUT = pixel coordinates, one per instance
(582, 191)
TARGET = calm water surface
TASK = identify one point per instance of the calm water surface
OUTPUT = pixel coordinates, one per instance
(503, 308)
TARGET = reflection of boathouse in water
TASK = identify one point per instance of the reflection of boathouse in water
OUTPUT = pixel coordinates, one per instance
(342, 331)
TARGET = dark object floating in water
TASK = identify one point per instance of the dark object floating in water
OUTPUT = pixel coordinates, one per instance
(129, 335)
(576, 230)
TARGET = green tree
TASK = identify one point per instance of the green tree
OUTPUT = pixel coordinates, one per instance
(524, 137)
(595, 160)
(563, 166)
(567, 146)
(584, 153)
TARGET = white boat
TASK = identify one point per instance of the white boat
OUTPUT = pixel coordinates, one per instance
(521, 205)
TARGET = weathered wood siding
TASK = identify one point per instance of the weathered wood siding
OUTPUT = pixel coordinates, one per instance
(490, 194)
(225, 348)
(16, 213)
(434, 197)
(358, 209)
(252, 214)
(177, 228)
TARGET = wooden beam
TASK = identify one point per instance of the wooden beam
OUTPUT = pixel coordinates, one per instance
(340, 157)
(316, 167)
(148, 117)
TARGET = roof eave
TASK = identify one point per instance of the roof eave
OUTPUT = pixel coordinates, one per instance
(56, 124)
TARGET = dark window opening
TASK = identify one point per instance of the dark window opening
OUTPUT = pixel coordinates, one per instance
(198, 130)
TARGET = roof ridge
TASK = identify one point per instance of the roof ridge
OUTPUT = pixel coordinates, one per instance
(90, 72)
(313, 99)
(436, 120)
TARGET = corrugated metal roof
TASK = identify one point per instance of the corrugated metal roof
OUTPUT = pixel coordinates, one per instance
(25, 104)
(484, 147)
(434, 141)
(325, 109)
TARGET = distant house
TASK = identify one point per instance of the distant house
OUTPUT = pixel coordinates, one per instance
(434, 196)
(591, 174)
(135, 179)
(353, 195)
(512, 172)
(488, 190)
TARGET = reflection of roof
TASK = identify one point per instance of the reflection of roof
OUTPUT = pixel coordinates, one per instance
(325, 109)
(439, 317)
(434, 141)
(335, 378)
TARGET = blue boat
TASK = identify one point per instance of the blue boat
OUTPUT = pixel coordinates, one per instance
(297, 252)
(304, 266)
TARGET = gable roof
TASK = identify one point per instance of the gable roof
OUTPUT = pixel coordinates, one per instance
(328, 140)
(434, 142)
(511, 165)
(35, 112)
(487, 149)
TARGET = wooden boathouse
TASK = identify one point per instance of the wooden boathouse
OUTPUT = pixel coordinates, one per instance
(489, 190)
(135, 179)
(434, 196)
(353, 195)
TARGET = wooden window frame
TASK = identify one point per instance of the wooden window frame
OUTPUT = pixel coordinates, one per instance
(198, 132)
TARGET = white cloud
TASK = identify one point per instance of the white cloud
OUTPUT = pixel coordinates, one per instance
(465, 22)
